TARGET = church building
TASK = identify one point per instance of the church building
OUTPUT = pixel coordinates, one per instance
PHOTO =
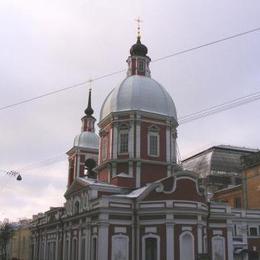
(127, 197)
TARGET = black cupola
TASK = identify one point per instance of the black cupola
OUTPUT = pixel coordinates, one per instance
(138, 49)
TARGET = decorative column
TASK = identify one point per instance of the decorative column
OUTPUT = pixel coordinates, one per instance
(199, 235)
(103, 237)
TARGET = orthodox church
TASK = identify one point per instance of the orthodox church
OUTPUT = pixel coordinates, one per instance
(127, 198)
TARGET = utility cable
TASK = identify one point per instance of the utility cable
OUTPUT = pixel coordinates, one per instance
(80, 84)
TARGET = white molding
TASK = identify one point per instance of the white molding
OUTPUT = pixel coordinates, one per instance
(158, 244)
(192, 257)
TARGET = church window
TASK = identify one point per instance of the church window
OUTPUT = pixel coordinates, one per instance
(153, 141)
(141, 65)
(186, 246)
(76, 207)
(253, 231)
(67, 250)
(151, 247)
(123, 141)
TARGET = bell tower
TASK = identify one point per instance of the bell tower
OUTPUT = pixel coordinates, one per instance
(85, 145)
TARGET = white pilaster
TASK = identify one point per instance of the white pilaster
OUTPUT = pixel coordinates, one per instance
(138, 175)
(115, 137)
(169, 237)
(79, 243)
(103, 237)
(200, 238)
(230, 241)
(168, 144)
(130, 168)
(138, 137)
(131, 137)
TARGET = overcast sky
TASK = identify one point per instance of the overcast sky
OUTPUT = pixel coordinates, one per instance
(50, 44)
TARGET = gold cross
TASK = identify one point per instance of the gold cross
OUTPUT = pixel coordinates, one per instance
(139, 21)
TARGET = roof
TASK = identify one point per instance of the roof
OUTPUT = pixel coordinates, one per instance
(218, 159)
(139, 93)
(86, 140)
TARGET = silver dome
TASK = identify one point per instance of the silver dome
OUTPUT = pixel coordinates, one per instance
(139, 93)
(86, 140)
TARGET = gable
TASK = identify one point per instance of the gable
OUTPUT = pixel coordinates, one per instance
(180, 187)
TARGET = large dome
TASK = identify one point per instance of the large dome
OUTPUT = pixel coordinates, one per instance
(139, 93)
(86, 140)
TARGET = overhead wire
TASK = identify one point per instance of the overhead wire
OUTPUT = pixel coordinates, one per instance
(80, 84)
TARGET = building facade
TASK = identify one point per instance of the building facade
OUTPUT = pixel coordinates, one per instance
(127, 198)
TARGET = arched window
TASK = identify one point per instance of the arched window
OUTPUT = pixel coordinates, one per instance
(153, 141)
(186, 246)
(123, 139)
(66, 250)
(151, 250)
(76, 207)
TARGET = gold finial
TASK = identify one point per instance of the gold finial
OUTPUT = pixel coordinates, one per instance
(139, 21)
(90, 83)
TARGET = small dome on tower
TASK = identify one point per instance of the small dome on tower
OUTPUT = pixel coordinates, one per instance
(139, 93)
(87, 140)
(138, 49)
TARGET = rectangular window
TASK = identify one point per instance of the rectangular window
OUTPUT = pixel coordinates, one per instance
(237, 202)
(123, 141)
(253, 231)
(153, 144)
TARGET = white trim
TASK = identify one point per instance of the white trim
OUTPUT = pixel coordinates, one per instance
(170, 241)
(192, 257)
(131, 140)
(199, 234)
(168, 144)
(110, 143)
(158, 244)
(138, 175)
(115, 133)
(138, 139)
(114, 237)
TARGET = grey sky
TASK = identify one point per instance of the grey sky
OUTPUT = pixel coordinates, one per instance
(51, 44)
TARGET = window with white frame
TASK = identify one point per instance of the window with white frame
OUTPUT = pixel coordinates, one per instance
(153, 141)
(150, 247)
(123, 141)
(186, 246)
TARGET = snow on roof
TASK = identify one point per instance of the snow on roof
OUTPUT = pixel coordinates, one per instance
(134, 194)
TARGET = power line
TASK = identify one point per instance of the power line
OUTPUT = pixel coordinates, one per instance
(220, 108)
(182, 120)
(80, 84)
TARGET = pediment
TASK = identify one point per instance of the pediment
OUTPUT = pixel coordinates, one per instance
(76, 186)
